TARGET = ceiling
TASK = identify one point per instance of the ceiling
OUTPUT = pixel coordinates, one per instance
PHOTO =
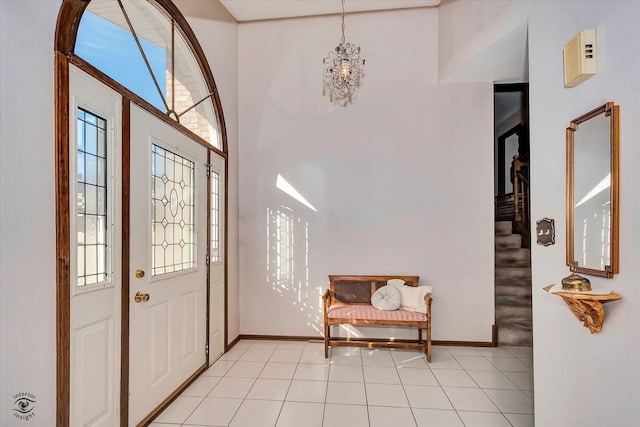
(256, 10)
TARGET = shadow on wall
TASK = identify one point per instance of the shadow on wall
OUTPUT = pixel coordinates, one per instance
(287, 269)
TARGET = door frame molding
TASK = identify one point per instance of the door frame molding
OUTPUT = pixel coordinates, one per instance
(124, 307)
(66, 31)
(502, 158)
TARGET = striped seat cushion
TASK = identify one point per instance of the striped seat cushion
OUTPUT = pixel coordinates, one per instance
(367, 312)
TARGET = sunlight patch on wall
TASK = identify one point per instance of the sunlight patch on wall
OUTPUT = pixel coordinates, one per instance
(287, 263)
(283, 184)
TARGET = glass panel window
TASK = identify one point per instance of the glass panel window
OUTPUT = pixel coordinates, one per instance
(161, 66)
(91, 222)
(215, 217)
(172, 212)
(187, 91)
(107, 46)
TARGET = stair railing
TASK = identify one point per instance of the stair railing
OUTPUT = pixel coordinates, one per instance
(521, 199)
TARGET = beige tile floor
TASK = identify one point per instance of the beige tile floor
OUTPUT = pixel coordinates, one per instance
(291, 384)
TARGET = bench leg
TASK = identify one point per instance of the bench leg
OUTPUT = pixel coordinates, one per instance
(427, 343)
(326, 340)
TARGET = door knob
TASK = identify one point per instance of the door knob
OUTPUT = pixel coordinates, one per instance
(139, 274)
(140, 297)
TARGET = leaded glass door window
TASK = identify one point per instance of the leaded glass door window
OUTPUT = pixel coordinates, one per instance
(172, 212)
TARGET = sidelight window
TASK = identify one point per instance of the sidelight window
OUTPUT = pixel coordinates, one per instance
(91, 199)
(215, 217)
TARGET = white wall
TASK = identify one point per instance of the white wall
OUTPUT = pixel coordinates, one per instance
(27, 207)
(27, 210)
(482, 40)
(402, 181)
(583, 379)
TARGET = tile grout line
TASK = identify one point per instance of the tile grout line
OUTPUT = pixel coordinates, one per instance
(502, 372)
(254, 382)
(364, 386)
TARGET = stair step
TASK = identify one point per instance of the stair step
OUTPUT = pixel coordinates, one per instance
(510, 241)
(508, 313)
(513, 257)
(515, 334)
(503, 227)
(503, 274)
(511, 281)
(522, 300)
(517, 289)
(513, 310)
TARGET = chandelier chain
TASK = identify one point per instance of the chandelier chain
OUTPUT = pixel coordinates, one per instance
(342, 21)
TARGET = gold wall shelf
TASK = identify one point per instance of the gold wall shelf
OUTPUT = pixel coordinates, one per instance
(587, 307)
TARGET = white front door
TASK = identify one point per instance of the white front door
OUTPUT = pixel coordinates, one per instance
(96, 285)
(168, 271)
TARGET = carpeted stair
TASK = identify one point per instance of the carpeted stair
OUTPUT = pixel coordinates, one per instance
(512, 287)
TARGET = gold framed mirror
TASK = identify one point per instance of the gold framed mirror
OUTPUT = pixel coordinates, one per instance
(592, 192)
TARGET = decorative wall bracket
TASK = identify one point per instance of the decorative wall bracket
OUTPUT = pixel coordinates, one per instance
(587, 308)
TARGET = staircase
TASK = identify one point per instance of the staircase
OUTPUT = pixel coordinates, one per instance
(512, 287)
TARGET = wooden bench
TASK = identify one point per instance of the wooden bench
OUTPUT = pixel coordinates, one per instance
(348, 301)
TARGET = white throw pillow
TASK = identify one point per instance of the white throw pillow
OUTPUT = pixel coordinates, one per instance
(413, 297)
(386, 298)
(395, 282)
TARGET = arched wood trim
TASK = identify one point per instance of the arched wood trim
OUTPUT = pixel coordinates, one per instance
(67, 25)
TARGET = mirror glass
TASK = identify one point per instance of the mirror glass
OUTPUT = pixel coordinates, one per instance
(592, 192)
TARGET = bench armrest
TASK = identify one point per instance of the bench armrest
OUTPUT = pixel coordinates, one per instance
(428, 300)
(326, 300)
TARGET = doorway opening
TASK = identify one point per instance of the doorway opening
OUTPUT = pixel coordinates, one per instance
(513, 310)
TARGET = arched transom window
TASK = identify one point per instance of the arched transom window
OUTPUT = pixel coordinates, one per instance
(142, 48)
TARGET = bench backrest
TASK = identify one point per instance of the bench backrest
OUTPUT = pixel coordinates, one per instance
(358, 289)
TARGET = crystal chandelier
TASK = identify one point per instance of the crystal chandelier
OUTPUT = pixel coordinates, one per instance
(343, 71)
